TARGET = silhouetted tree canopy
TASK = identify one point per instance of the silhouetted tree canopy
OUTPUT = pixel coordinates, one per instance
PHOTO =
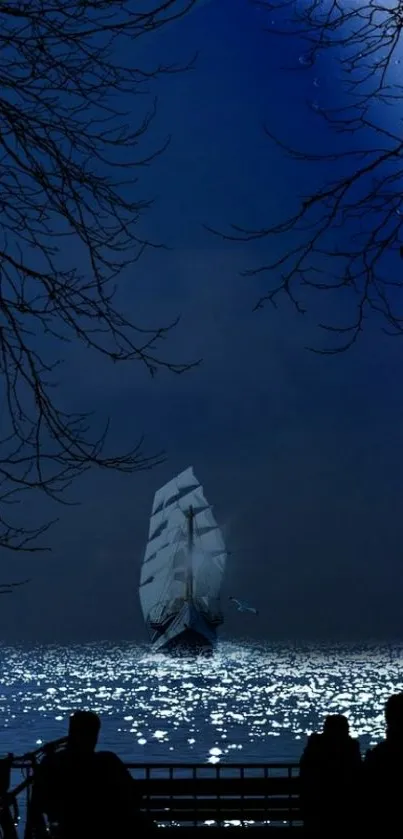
(69, 158)
(345, 235)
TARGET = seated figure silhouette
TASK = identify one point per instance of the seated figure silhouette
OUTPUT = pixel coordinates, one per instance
(329, 775)
(84, 793)
(383, 774)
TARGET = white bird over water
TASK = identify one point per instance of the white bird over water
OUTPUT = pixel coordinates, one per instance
(243, 607)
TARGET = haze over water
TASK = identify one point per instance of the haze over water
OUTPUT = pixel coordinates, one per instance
(250, 702)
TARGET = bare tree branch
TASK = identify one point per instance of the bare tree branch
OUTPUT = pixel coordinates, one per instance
(347, 234)
(67, 157)
(9, 588)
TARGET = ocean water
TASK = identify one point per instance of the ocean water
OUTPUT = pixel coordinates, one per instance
(249, 702)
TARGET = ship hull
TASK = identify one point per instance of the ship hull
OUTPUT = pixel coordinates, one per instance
(188, 633)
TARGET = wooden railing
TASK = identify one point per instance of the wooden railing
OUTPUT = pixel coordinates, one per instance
(192, 796)
(182, 796)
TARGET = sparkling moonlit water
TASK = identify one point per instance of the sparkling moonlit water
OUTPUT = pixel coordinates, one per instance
(249, 702)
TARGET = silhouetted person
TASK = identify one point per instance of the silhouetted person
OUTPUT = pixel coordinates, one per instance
(85, 793)
(330, 776)
(383, 774)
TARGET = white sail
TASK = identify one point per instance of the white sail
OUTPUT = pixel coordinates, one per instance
(167, 566)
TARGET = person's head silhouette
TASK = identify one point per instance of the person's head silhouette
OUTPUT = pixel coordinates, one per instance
(336, 726)
(394, 715)
(84, 729)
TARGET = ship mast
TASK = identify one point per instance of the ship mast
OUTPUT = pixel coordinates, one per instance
(189, 578)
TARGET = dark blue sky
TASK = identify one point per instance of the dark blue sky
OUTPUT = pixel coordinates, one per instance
(301, 455)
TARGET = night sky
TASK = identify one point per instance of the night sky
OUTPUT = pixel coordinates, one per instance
(301, 455)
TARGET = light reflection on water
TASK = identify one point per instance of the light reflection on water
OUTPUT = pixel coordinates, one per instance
(248, 702)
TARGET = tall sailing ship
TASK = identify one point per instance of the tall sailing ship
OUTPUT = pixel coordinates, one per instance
(182, 569)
